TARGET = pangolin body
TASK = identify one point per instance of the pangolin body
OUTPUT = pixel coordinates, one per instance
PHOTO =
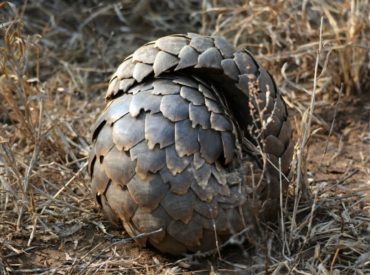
(189, 143)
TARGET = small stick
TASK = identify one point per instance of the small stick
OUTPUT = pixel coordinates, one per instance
(332, 123)
(283, 234)
(307, 122)
(32, 164)
(64, 187)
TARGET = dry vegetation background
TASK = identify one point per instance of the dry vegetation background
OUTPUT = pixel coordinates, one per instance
(55, 61)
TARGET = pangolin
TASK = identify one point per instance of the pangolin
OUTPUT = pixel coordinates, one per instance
(193, 145)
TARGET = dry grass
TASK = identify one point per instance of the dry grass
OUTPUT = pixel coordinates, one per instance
(55, 60)
(284, 34)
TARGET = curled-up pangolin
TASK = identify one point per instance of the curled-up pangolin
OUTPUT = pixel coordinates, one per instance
(188, 145)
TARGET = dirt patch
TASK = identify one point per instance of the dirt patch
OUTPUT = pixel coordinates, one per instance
(344, 156)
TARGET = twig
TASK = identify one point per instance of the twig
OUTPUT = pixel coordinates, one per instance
(64, 187)
(282, 224)
(307, 123)
(32, 163)
(332, 123)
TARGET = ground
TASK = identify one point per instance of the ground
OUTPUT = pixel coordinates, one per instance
(90, 243)
(55, 63)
